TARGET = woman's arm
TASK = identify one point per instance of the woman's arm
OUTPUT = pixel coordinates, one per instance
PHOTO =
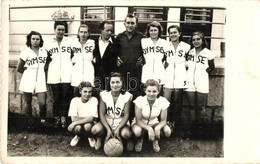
(138, 117)
(102, 112)
(211, 66)
(20, 66)
(162, 123)
(126, 115)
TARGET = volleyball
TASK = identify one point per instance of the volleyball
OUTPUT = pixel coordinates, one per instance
(113, 148)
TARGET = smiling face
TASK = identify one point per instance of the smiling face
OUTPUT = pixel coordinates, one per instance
(197, 41)
(83, 33)
(35, 40)
(152, 92)
(116, 84)
(59, 32)
(85, 93)
(154, 32)
(174, 34)
(130, 24)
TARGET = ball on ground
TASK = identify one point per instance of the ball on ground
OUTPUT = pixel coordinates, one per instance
(113, 148)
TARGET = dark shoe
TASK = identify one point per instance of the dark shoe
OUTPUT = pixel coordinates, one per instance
(56, 122)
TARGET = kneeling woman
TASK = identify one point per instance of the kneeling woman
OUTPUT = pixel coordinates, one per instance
(114, 110)
(84, 113)
(147, 110)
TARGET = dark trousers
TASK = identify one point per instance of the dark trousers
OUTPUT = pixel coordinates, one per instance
(62, 94)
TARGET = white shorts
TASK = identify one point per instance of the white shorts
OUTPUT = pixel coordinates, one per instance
(114, 123)
(33, 82)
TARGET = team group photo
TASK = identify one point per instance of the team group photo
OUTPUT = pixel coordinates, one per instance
(116, 80)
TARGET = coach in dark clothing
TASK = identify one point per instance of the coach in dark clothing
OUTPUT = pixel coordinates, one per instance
(105, 55)
(131, 54)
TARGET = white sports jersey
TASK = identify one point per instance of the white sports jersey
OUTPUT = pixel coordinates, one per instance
(60, 67)
(115, 112)
(33, 78)
(153, 54)
(150, 116)
(80, 109)
(83, 69)
(175, 73)
(198, 78)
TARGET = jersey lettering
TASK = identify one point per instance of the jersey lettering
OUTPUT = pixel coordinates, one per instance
(54, 50)
(153, 50)
(88, 49)
(180, 53)
(77, 49)
(117, 111)
(65, 49)
(201, 59)
(36, 60)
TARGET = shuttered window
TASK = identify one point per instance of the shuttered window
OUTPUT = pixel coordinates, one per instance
(148, 14)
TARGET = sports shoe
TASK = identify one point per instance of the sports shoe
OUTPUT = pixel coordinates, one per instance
(74, 141)
(98, 144)
(45, 123)
(156, 147)
(63, 122)
(139, 145)
(91, 141)
(130, 145)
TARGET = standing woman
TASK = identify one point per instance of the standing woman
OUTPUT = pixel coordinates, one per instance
(200, 64)
(150, 116)
(60, 52)
(31, 66)
(175, 74)
(83, 69)
(154, 52)
(114, 110)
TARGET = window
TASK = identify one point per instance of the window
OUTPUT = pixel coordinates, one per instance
(93, 16)
(148, 14)
(196, 19)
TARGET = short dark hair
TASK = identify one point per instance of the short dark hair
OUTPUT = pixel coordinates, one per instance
(178, 28)
(154, 24)
(115, 74)
(29, 36)
(130, 15)
(102, 24)
(81, 86)
(62, 23)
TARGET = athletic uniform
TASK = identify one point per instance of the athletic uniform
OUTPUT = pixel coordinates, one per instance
(83, 69)
(175, 73)
(150, 116)
(60, 67)
(198, 78)
(80, 109)
(153, 54)
(115, 112)
(33, 78)
(59, 75)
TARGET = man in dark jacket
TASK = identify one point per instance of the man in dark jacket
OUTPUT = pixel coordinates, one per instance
(105, 55)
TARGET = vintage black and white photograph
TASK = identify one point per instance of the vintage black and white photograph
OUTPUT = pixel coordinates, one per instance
(116, 79)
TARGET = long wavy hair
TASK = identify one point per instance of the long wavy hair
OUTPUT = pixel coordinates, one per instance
(202, 36)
